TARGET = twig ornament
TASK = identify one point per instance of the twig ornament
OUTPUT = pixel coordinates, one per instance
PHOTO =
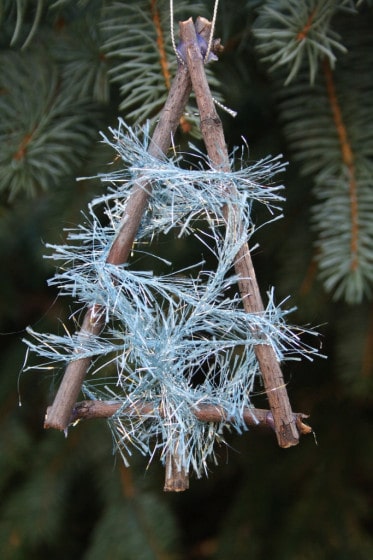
(206, 51)
(182, 353)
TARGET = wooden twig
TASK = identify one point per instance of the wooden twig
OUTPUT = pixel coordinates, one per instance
(93, 322)
(253, 417)
(60, 411)
(213, 135)
(176, 477)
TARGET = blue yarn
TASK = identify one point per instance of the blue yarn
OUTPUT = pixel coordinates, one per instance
(175, 340)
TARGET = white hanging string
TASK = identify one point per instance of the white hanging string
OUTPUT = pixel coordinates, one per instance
(230, 112)
(178, 56)
(209, 46)
(172, 33)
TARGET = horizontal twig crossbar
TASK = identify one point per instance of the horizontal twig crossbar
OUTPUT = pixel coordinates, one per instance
(252, 417)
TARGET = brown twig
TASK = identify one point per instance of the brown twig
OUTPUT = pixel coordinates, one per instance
(59, 413)
(176, 478)
(213, 135)
(253, 417)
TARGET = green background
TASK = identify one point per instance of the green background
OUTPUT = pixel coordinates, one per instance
(70, 497)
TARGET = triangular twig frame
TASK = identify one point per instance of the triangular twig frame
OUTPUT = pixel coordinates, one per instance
(191, 74)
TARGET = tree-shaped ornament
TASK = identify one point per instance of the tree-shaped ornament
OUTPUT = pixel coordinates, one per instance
(157, 332)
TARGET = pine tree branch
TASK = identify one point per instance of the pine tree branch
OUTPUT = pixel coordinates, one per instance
(160, 43)
(297, 31)
(89, 409)
(327, 128)
(348, 159)
(36, 142)
(213, 135)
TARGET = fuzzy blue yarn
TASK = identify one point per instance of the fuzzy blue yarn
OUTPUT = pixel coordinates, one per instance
(162, 331)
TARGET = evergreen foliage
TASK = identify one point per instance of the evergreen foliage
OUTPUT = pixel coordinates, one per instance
(143, 62)
(317, 100)
(36, 139)
(67, 498)
(293, 34)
